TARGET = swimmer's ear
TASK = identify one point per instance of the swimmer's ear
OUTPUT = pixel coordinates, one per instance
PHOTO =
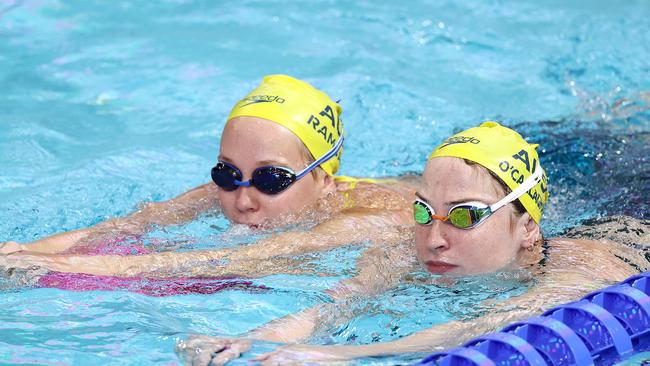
(529, 230)
(329, 184)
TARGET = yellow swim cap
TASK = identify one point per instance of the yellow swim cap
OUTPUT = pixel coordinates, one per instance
(306, 111)
(505, 153)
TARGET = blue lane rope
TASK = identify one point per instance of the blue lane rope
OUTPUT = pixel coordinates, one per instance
(611, 322)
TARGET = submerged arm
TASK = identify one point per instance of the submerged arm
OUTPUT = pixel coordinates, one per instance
(436, 338)
(175, 211)
(380, 268)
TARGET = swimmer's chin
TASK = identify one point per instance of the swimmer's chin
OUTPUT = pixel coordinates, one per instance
(250, 224)
(264, 224)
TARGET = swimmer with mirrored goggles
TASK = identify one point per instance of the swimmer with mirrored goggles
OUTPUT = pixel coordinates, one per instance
(468, 215)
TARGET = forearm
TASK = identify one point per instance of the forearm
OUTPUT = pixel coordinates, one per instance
(107, 230)
(165, 264)
(300, 326)
(343, 230)
(291, 328)
(378, 270)
(436, 338)
(57, 243)
(175, 211)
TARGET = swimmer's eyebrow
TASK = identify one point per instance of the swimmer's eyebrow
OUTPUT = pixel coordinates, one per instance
(454, 203)
(420, 196)
(259, 163)
(273, 162)
(451, 203)
(224, 158)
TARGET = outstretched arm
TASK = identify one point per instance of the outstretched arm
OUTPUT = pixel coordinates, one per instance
(207, 350)
(348, 228)
(433, 339)
(175, 211)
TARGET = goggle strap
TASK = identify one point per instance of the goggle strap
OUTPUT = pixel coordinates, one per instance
(524, 187)
(243, 184)
(438, 217)
(431, 216)
(330, 154)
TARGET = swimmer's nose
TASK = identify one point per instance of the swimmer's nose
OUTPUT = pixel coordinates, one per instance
(436, 238)
(246, 199)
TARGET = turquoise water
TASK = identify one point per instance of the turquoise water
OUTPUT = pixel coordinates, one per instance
(639, 359)
(105, 105)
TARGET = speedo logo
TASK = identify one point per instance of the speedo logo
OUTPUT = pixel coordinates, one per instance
(253, 99)
(460, 140)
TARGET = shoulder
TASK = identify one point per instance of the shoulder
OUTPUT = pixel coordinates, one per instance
(620, 229)
(380, 193)
(594, 259)
(203, 196)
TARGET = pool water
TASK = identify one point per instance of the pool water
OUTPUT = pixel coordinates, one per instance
(105, 105)
(639, 359)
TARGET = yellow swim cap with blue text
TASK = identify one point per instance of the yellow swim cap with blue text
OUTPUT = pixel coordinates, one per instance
(505, 153)
(296, 105)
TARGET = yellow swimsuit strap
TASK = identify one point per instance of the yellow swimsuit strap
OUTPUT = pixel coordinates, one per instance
(353, 181)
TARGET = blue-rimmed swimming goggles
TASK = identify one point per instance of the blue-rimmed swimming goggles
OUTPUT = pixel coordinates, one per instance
(267, 179)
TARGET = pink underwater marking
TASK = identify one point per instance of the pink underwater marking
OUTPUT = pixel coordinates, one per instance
(118, 246)
(146, 286)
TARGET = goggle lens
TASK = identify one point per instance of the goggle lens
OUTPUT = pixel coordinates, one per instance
(272, 180)
(461, 217)
(464, 216)
(421, 213)
(268, 179)
(224, 176)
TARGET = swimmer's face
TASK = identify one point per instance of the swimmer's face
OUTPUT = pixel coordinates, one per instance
(493, 245)
(249, 143)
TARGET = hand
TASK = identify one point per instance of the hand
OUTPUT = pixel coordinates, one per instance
(200, 350)
(10, 247)
(29, 260)
(298, 354)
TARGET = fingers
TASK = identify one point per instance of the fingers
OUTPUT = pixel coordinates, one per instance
(206, 350)
(230, 352)
(197, 350)
(31, 260)
(20, 260)
(220, 358)
(10, 247)
(206, 355)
